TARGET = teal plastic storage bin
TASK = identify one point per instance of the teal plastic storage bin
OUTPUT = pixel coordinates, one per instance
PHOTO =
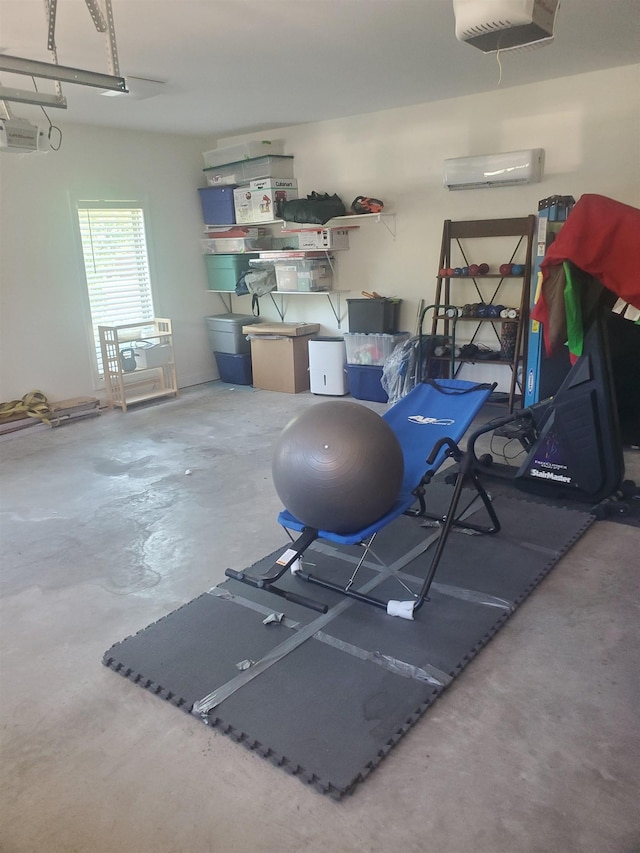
(223, 271)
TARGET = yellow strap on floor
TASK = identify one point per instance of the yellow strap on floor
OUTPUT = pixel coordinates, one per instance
(32, 405)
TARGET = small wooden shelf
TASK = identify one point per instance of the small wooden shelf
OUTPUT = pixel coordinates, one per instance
(126, 387)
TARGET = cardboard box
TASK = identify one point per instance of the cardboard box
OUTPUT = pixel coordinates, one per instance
(281, 363)
(260, 201)
(234, 245)
(268, 183)
(289, 330)
(280, 355)
(325, 238)
(243, 207)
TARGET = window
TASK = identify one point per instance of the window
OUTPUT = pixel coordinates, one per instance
(116, 264)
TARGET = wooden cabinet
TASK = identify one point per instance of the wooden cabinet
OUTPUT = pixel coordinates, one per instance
(481, 316)
(138, 362)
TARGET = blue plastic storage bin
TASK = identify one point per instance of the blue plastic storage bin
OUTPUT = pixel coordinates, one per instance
(364, 382)
(235, 367)
(217, 205)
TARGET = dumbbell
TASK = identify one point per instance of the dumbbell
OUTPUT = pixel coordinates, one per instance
(509, 313)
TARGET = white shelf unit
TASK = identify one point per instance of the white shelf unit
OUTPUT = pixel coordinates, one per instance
(124, 388)
(388, 220)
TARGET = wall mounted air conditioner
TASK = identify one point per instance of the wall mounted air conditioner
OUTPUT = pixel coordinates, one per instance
(492, 25)
(494, 170)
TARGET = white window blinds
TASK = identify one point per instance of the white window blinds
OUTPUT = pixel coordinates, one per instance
(116, 264)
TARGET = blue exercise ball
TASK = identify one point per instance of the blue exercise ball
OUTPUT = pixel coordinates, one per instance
(338, 466)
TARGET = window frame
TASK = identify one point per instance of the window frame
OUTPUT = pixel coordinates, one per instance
(81, 203)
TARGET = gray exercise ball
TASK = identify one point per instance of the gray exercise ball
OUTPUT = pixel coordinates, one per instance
(338, 466)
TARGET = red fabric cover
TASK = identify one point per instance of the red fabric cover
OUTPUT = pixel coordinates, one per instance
(602, 237)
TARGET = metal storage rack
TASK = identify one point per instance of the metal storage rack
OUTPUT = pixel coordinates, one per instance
(490, 289)
(123, 388)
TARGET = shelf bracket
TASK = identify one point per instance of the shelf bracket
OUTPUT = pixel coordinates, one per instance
(335, 307)
(389, 222)
(279, 308)
(227, 305)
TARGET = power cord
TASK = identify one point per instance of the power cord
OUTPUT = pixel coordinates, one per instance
(52, 127)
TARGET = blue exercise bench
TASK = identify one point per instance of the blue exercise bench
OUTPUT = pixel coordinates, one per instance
(429, 423)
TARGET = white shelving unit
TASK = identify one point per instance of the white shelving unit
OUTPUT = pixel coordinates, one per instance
(386, 219)
(279, 297)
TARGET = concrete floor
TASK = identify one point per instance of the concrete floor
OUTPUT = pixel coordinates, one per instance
(534, 748)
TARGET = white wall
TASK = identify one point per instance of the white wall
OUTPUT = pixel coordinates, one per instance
(589, 126)
(45, 339)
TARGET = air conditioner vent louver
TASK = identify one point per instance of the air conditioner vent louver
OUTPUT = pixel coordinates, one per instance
(492, 25)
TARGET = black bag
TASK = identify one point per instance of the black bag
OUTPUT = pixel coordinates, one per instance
(257, 283)
(315, 209)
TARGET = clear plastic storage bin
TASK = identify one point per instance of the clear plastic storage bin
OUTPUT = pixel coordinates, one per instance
(250, 170)
(243, 151)
(235, 245)
(304, 275)
(371, 349)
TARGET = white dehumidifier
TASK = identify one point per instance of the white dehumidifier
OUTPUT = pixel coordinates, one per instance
(327, 360)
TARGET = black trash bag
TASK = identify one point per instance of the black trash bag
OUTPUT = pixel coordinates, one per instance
(315, 209)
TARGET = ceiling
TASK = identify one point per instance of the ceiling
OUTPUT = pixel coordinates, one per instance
(237, 66)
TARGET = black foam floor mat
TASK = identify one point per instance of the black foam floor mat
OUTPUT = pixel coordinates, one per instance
(326, 697)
